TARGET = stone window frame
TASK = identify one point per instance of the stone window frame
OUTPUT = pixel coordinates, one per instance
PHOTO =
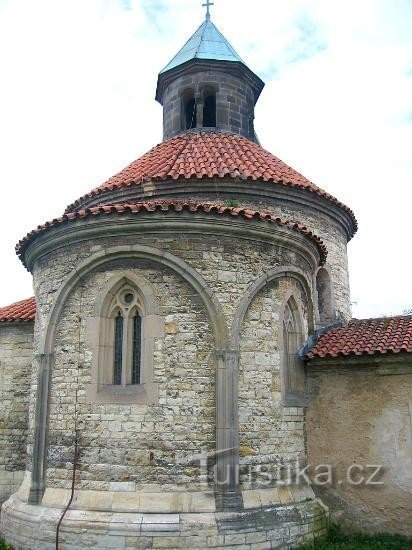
(100, 332)
(288, 349)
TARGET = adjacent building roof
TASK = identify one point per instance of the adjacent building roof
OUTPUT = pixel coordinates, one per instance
(206, 43)
(23, 311)
(384, 335)
(175, 206)
(206, 155)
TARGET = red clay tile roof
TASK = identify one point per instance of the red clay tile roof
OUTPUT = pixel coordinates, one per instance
(366, 337)
(176, 206)
(206, 155)
(23, 311)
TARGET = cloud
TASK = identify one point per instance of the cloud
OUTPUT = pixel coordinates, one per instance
(304, 41)
(308, 42)
(156, 13)
(77, 105)
(126, 4)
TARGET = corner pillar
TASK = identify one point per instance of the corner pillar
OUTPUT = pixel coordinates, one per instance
(45, 362)
(228, 494)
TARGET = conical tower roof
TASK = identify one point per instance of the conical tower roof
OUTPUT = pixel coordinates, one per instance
(206, 43)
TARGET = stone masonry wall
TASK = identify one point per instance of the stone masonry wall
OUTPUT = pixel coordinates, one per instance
(329, 231)
(142, 446)
(271, 435)
(322, 224)
(360, 416)
(245, 195)
(16, 349)
(123, 447)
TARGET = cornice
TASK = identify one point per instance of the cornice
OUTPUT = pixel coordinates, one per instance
(160, 225)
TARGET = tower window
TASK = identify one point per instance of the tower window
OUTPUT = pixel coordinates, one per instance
(209, 111)
(189, 108)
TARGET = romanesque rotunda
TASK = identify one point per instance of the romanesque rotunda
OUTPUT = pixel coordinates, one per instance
(165, 403)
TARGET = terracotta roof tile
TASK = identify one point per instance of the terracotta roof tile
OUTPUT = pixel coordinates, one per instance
(206, 155)
(166, 206)
(366, 337)
(23, 311)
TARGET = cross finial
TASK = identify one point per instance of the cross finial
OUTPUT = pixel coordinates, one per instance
(207, 6)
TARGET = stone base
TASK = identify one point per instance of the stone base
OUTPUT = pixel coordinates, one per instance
(273, 526)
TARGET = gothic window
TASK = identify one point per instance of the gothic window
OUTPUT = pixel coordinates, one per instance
(293, 373)
(209, 108)
(123, 334)
(189, 110)
(325, 303)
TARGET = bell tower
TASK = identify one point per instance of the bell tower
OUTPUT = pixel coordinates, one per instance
(208, 86)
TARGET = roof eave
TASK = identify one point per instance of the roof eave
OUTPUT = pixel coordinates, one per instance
(236, 68)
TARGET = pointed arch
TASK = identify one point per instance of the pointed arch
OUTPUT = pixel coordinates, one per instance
(271, 275)
(47, 338)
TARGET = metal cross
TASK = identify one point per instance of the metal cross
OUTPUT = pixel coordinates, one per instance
(207, 6)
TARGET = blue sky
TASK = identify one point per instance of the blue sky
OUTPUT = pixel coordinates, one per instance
(77, 105)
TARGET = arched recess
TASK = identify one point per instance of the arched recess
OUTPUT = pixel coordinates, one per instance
(271, 275)
(291, 338)
(324, 294)
(48, 337)
(219, 326)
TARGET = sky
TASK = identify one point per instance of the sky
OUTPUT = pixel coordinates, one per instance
(77, 86)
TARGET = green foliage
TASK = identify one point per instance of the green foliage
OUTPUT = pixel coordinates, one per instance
(337, 540)
(232, 203)
(4, 546)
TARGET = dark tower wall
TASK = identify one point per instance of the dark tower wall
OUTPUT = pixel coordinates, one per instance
(235, 88)
(234, 103)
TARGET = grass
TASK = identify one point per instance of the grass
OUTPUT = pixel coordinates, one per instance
(337, 540)
(4, 546)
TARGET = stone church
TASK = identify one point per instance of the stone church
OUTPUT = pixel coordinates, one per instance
(188, 374)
